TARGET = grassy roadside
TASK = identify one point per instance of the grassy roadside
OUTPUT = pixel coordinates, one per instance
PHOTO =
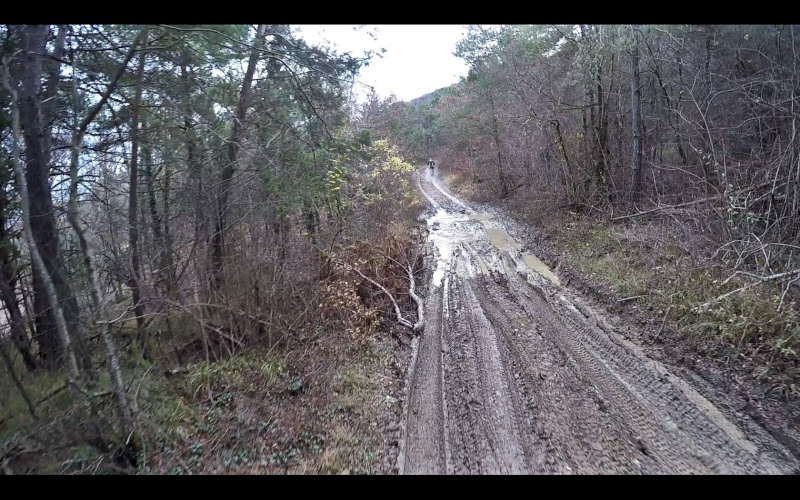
(652, 270)
(327, 405)
(263, 413)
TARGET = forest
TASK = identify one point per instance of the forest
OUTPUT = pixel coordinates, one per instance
(210, 250)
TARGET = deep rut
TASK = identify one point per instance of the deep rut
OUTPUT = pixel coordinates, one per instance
(515, 374)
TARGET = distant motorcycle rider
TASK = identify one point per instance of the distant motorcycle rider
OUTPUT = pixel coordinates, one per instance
(431, 164)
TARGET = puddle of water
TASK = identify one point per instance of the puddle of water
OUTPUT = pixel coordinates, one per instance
(502, 240)
(448, 231)
(482, 217)
(540, 267)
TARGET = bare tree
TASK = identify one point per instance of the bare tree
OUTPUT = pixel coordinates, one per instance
(636, 113)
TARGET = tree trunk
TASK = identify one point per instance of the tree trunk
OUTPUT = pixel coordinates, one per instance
(152, 203)
(36, 115)
(601, 133)
(112, 356)
(218, 239)
(636, 112)
(496, 137)
(15, 378)
(38, 262)
(672, 108)
(196, 170)
(8, 280)
(568, 180)
(133, 208)
(793, 187)
(166, 248)
(19, 334)
(600, 122)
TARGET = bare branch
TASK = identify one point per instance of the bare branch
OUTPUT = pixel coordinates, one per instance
(761, 281)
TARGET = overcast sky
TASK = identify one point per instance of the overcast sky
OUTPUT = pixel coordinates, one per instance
(419, 58)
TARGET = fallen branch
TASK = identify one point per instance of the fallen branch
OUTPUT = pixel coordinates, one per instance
(54, 393)
(420, 306)
(412, 293)
(117, 319)
(400, 319)
(176, 371)
(657, 336)
(203, 323)
(761, 281)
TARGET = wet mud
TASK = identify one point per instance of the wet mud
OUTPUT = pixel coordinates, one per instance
(514, 373)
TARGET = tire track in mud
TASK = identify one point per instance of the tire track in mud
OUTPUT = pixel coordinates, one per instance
(514, 375)
(422, 449)
(628, 420)
(477, 388)
(567, 414)
(666, 423)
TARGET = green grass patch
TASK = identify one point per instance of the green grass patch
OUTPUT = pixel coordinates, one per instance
(238, 371)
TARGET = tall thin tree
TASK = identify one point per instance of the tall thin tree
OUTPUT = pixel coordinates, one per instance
(636, 113)
(234, 143)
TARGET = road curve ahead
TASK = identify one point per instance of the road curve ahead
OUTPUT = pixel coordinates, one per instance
(515, 374)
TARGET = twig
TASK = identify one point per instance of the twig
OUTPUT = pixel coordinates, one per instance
(630, 298)
(118, 318)
(54, 393)
(668, 207)
(203, 323)
(400, 319)
(783, 295)
(663, 322)
(412, 293)
(761, 281)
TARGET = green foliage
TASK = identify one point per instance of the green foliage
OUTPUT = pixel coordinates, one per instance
(415, 128)
(477, 44)
(387, 178)
(335, 178)
(430, 99)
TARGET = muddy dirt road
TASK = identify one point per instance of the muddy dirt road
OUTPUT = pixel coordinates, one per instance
(515, 374)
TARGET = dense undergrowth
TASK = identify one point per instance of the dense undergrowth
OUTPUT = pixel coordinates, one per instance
(316, 391)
